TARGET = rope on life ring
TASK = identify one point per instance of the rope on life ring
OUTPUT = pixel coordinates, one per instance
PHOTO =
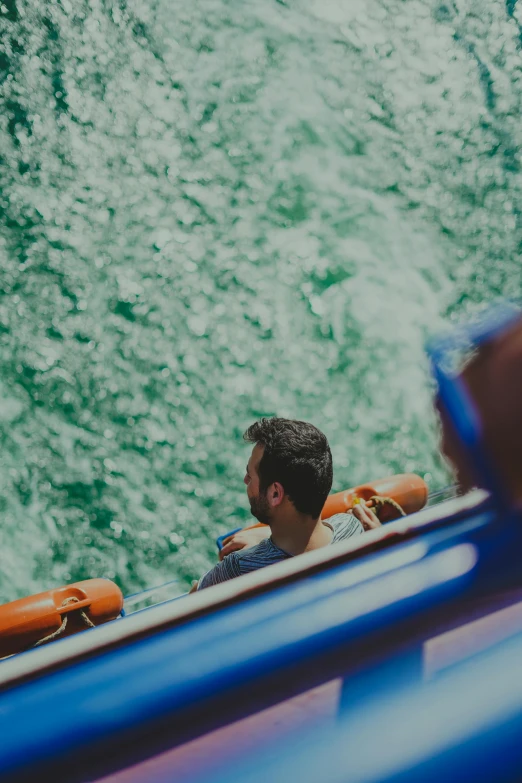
(379, 501)
(56, 634)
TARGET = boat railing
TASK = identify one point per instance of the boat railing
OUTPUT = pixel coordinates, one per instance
(172, 614)
(332, 618)
(467, 725)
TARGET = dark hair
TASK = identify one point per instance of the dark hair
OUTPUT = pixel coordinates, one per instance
(298, 456)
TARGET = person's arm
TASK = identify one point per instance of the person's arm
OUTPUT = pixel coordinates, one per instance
(244, 539)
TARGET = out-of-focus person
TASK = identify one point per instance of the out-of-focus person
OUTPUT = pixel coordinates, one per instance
(493, 380)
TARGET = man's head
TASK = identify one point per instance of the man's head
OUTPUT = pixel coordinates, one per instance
(494, 380)
(291, 463)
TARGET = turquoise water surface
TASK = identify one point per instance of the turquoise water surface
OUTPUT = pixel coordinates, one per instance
(213, 210)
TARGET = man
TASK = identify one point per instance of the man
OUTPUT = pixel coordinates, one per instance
(288, 478)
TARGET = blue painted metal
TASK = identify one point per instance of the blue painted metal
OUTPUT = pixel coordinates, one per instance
(158, 692)
(466, 726)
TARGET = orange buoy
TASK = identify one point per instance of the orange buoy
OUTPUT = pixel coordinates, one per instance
(57, 613)
(406, 489)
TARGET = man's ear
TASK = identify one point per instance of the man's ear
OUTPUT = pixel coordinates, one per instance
(275, 494)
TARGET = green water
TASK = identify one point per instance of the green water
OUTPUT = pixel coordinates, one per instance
(213, 210)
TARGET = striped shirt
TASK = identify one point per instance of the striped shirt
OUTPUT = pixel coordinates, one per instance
(266, 553)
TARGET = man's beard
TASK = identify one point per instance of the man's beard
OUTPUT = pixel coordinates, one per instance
(260, 509)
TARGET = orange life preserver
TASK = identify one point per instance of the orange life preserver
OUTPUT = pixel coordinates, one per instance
(406, 489)
(30, 620)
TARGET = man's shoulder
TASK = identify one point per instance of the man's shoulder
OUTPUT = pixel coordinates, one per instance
(221, 572)
(258, 556)
(344, 525)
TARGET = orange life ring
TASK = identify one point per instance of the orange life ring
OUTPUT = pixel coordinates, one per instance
(406, 489)
(28, 621)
